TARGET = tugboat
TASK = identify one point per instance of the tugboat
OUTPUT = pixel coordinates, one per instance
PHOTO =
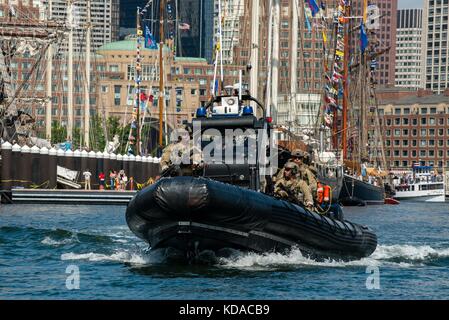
(228, 205)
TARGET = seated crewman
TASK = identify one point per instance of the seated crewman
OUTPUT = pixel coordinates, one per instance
(289, 188)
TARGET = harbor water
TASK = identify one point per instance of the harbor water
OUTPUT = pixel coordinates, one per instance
(88, 252)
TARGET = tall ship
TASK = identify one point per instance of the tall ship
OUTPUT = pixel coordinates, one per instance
(366, 169)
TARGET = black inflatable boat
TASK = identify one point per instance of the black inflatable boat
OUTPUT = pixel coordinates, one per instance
(229, 207)
(193, 215)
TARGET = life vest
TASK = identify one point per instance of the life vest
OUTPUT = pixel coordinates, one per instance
(327, 194)
(320, 193)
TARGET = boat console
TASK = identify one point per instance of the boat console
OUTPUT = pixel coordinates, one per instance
(229, 133)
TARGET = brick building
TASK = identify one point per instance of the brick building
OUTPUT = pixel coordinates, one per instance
(415, 126)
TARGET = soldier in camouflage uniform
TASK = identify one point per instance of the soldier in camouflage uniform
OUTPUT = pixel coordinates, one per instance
(181, 157)
(288, 187)
(304, 171)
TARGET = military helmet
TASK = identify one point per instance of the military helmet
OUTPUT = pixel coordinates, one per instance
(297, 153)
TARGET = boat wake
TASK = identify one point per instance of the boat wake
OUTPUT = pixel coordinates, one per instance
(403, 256)
(385, 255)
(133, 256)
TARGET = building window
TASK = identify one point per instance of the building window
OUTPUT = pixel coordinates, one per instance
(117, 91)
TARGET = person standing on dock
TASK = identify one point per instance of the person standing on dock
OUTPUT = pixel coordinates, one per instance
(87, 175)
(101, 177)
(112, 176)
(124, 181)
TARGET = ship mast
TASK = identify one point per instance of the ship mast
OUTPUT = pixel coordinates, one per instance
(294, 62)
(254, 48)
(138, 79)
(346, 89)
(269, 54)
(70, 72)
(49, 81)
(275, 59)
(87, 91)
(161, 73)
(363, 75)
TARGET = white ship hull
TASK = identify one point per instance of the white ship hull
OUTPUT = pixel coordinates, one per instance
(422, 196)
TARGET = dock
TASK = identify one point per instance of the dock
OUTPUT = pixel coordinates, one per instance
(92, 197)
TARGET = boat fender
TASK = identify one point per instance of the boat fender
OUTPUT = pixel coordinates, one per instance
(320, 193)
(327, 194)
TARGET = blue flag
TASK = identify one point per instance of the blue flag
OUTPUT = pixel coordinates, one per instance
(150, 42)
(363, 38)
(313, 6)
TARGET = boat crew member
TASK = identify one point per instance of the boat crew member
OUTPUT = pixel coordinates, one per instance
(304, 171)
(180, 158)
(290, 188)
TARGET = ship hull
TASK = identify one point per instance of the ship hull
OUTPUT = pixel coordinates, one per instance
(356, 192)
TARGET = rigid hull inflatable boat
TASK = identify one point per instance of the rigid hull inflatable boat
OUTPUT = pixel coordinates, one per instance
(231, 204)
(193, 215)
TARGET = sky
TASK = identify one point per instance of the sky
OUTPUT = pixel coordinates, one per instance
(404, 4)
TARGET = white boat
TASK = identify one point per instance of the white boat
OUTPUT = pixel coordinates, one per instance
(422, 184)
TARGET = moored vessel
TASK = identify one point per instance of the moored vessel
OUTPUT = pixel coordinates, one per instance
(421, 184)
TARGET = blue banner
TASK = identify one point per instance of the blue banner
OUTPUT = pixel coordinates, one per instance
(363, 38)
(150, 42)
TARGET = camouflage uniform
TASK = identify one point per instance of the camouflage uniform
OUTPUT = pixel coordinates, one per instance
(292, 189)
(182, 155)
(306, 175)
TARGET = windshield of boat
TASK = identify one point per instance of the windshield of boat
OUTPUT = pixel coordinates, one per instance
(230, 146)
